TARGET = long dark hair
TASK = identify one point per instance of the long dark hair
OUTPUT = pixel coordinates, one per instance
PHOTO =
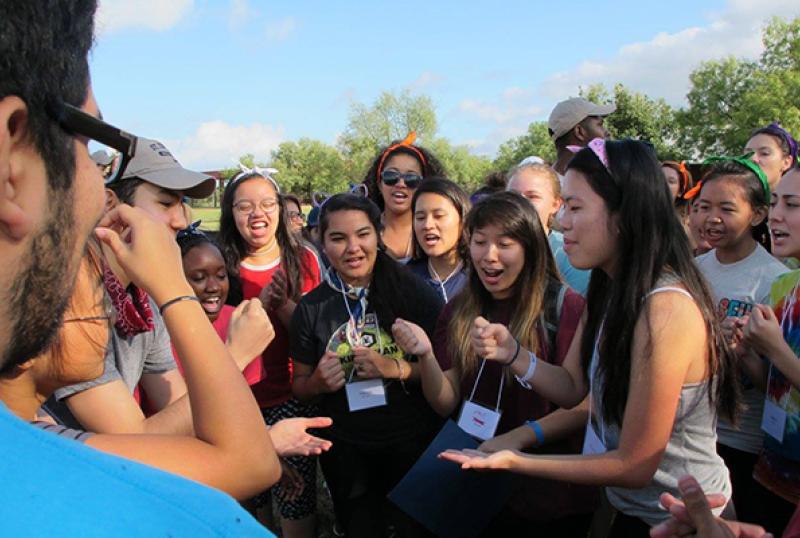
(430, 167)
(651, 244)
(234, 248)
(392, 288)
(460, 200)
(518, 219)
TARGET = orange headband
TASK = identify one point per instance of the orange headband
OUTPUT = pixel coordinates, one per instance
(679, 167)
(406, 143)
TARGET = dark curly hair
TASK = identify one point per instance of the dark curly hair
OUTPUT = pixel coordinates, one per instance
(430, 167)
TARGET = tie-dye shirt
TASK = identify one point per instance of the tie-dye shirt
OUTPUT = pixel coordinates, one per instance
(779, 466)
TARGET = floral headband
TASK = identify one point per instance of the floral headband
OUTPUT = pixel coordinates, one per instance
(407, 142)
(743, 160)
(266, 173)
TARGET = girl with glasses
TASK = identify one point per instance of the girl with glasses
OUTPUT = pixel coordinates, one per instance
(266, 260)
(391, 180)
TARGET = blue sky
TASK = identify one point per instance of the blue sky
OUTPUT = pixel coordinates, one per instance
(215, 79)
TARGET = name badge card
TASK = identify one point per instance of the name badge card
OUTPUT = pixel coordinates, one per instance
(365, 394)
(774, 420)
(478, 421)
(592, 444)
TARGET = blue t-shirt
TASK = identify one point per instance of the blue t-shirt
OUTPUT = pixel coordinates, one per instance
(58, 487)
(447, 289)
(577, 279)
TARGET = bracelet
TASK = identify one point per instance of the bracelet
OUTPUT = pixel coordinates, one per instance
(524, 380)
(400, 370)
(516, 354)
(176, 300)
(537, 429)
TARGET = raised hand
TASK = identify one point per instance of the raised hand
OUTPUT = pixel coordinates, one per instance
(250, 331)
(411, 338)
(146, 250)
(290, 438)
(763, 330)
(492, 341)
(329, 373)
(276, 294)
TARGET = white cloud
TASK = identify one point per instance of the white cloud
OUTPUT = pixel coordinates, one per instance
(216, 144)
(501, 112)
(425, 80)
(661, 66)
(115, 15)
(240, 14)
(281, 29)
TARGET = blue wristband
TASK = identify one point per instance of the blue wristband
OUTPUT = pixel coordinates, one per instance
(537, 429)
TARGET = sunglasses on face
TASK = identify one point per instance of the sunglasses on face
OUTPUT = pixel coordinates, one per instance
(77, 122)
(391, 177)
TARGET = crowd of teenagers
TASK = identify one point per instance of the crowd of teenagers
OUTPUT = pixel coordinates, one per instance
(617, 338)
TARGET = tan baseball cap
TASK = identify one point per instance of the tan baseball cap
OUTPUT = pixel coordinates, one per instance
(154, 163)
(567, 114)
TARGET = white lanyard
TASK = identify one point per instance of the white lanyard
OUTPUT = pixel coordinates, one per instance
(439, 279)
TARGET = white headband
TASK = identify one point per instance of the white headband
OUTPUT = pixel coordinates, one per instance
(266, 173)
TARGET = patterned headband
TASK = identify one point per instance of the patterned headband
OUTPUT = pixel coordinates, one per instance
(266, 173)
(598, 147)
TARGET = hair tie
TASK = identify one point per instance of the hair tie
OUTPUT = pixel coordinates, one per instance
(598, 147)
(407, 142)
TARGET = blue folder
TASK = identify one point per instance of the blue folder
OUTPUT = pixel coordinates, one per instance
(450, 502)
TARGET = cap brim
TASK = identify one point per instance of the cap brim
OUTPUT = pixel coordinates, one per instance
(602, 110)
(192, 184)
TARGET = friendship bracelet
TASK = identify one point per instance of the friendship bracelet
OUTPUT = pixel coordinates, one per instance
(400, 369)
(537, 429)
(524, 380)
(176, 300)
(516, 354)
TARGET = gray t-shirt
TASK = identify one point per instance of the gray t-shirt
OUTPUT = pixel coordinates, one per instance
(126, 359)
(736, 287)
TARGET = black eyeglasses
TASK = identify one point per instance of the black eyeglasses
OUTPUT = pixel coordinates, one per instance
(391, 177)
(78, 122)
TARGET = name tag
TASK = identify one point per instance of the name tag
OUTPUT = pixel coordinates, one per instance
(592, 444)
(365, 394)
(774, 420)
(478, 421)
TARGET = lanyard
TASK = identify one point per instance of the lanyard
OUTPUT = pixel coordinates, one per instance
(439, 279)
(499, 392)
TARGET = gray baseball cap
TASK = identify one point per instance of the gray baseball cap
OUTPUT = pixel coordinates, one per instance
(154, 163)
(567, 114)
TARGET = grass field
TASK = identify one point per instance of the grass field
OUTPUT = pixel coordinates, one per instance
(210, 216)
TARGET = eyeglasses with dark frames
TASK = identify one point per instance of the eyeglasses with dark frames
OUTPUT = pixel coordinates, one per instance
(77, 122)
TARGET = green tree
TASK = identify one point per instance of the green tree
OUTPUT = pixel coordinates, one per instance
(534, 142)
(638, 116)
(461, 165)
(729, 98)
(391, 117)
(307, 166)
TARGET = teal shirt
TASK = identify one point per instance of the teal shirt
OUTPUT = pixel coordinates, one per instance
(576, 279)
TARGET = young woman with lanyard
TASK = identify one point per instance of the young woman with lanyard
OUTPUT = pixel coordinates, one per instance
(510, 260)
(266, 260)
(347, 361)
(440, 239)
(649, 352)
(395, 173)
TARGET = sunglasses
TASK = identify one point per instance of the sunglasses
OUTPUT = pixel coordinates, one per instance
(77, 122)
(391, 177)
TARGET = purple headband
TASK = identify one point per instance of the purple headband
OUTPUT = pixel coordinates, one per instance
(598, 147)
(776, 129)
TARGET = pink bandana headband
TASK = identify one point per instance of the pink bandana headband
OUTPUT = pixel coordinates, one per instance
(598, 147)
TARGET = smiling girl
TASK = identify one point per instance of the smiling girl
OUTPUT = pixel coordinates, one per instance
(266, 260)
(647, 351)
(733, 200)
(346, 359)
(440, 242)
(391, 180)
